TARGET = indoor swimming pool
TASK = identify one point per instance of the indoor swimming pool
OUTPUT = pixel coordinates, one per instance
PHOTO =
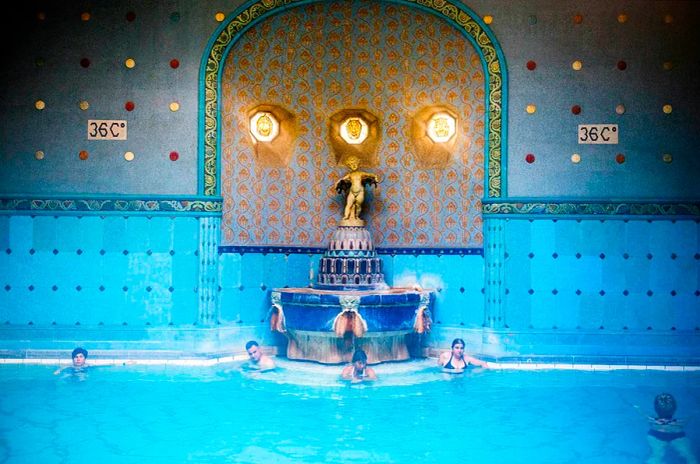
(303, 413)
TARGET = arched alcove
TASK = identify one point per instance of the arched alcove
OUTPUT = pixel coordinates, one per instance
(411, 187)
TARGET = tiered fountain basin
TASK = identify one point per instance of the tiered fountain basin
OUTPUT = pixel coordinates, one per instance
(380, 321)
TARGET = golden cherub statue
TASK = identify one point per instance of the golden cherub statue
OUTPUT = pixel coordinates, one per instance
(353, 183)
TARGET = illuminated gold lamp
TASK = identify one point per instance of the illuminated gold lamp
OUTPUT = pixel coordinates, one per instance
(434, 135)
(354, 132)
(441, 127)
(264, 127)
(272, 131)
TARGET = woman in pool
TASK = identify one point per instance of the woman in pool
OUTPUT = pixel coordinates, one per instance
(358, 371)
(455, 361)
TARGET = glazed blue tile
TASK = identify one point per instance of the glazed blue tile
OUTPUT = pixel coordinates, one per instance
(44, 233)
(274, 270)
(114, 233)
(230, 270)
(4, 232)
(137, 232)
(161, 232)
(298, 270)
(185, 233)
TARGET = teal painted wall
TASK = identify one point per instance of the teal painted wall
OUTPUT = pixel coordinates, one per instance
(44, 62)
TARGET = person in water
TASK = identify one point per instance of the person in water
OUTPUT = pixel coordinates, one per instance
(455, 361)
(666, 431)
(257, 360)
(79, 356)
(358, 371)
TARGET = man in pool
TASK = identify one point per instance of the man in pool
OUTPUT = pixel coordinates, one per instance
(358, 371)
(455, 361)
(79, 355)
(665, 431)
(258, 361)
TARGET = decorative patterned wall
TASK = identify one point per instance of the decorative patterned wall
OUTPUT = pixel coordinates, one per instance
(318, 59)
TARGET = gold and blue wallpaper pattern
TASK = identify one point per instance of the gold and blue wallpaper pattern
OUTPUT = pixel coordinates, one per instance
(318, 59)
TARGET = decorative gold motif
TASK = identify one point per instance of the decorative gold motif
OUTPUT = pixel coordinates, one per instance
(354, 130)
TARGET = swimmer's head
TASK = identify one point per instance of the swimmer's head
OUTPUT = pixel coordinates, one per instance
(458, 341)
(359, 360)
(665, 405)
(79, 355)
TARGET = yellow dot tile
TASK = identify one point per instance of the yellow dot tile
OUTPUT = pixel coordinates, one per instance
(577, 65)
(488, 19)
(129, 63)
(219, 16)
(129, 156)
(668, 65)
(39, 104)
(620, 109)
(622, 18)
(85, 16)
(174, 106)
(575, 158)
(668, 19)
(84, 105)
(531, 108)
(668, 109)
(667, 157)
(39, 155)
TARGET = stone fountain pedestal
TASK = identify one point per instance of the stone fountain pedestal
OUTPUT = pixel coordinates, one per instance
(350, 307)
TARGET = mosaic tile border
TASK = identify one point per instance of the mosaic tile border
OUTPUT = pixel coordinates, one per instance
(290, 250)
(85, 206)
(592, 208)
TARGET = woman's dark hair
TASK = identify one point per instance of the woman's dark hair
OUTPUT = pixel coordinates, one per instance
(665, 405)
(78, 351)
(359, 355)
(458, 341)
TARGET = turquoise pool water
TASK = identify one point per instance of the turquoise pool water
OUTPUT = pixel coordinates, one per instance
(304, 414)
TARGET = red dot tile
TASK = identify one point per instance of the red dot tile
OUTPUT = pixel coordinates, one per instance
(129, 106)
(174, 63)
(130, 16)
(530, 158)
(174, 156)
(621, 65)
(531, 65)
(576, 109)
(83, 155)
(85, 63)
(620, 158)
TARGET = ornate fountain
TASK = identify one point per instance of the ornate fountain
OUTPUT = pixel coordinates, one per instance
(350, 306)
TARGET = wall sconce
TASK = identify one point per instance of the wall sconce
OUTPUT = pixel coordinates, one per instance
(434, 136)
(441, 127)
(272, 131)
(354, 130)
(264, 126)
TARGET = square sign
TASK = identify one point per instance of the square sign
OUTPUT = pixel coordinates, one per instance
(106, 129)
(597, 133)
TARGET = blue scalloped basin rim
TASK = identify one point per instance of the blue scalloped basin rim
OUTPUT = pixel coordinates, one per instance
(384, 310)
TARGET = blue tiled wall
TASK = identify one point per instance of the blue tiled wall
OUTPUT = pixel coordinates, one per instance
(567, 273)
(96, 270)
(602, 274)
